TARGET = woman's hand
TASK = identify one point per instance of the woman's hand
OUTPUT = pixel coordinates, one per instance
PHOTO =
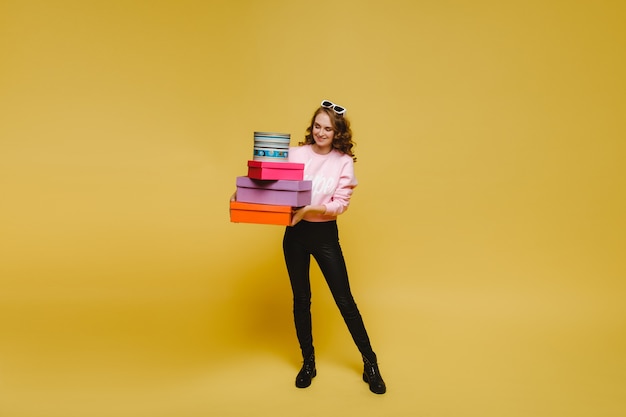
(299, 214)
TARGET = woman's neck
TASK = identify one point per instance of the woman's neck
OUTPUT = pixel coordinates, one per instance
(321, 151)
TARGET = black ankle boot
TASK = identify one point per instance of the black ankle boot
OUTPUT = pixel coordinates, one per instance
(371, 375)
(307, 372)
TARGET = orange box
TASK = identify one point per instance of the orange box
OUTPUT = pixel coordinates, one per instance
(259, 213)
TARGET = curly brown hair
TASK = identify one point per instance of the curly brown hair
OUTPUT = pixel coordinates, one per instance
(343, 134)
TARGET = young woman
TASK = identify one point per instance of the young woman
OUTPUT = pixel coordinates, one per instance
(328, 158)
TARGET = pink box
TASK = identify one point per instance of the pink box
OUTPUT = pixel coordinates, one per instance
(279, 192)
(261, 170)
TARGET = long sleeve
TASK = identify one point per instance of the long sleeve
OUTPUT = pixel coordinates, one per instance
(340, 200)
(333, 180)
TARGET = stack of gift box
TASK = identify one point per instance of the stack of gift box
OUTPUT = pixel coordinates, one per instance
(273, 186)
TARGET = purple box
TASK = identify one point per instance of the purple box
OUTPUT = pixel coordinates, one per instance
(279, 192)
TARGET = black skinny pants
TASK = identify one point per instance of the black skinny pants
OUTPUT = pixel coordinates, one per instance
(321, 239)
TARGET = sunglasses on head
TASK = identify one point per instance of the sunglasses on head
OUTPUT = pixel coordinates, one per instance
(336, 108)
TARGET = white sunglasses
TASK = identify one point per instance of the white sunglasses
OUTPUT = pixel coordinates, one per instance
(337, 109)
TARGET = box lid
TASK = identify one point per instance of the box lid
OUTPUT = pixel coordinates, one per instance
(272, 135)
(278, 165)
(281, 185)
(238, 205)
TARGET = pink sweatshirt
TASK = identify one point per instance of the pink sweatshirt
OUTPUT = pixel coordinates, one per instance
(333, 180)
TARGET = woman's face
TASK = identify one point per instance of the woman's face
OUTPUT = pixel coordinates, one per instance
(323, 133)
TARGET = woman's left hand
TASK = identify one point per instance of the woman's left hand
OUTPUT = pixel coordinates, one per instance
(297, 215)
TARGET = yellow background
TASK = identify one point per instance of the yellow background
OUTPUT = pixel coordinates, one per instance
(485, 241)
